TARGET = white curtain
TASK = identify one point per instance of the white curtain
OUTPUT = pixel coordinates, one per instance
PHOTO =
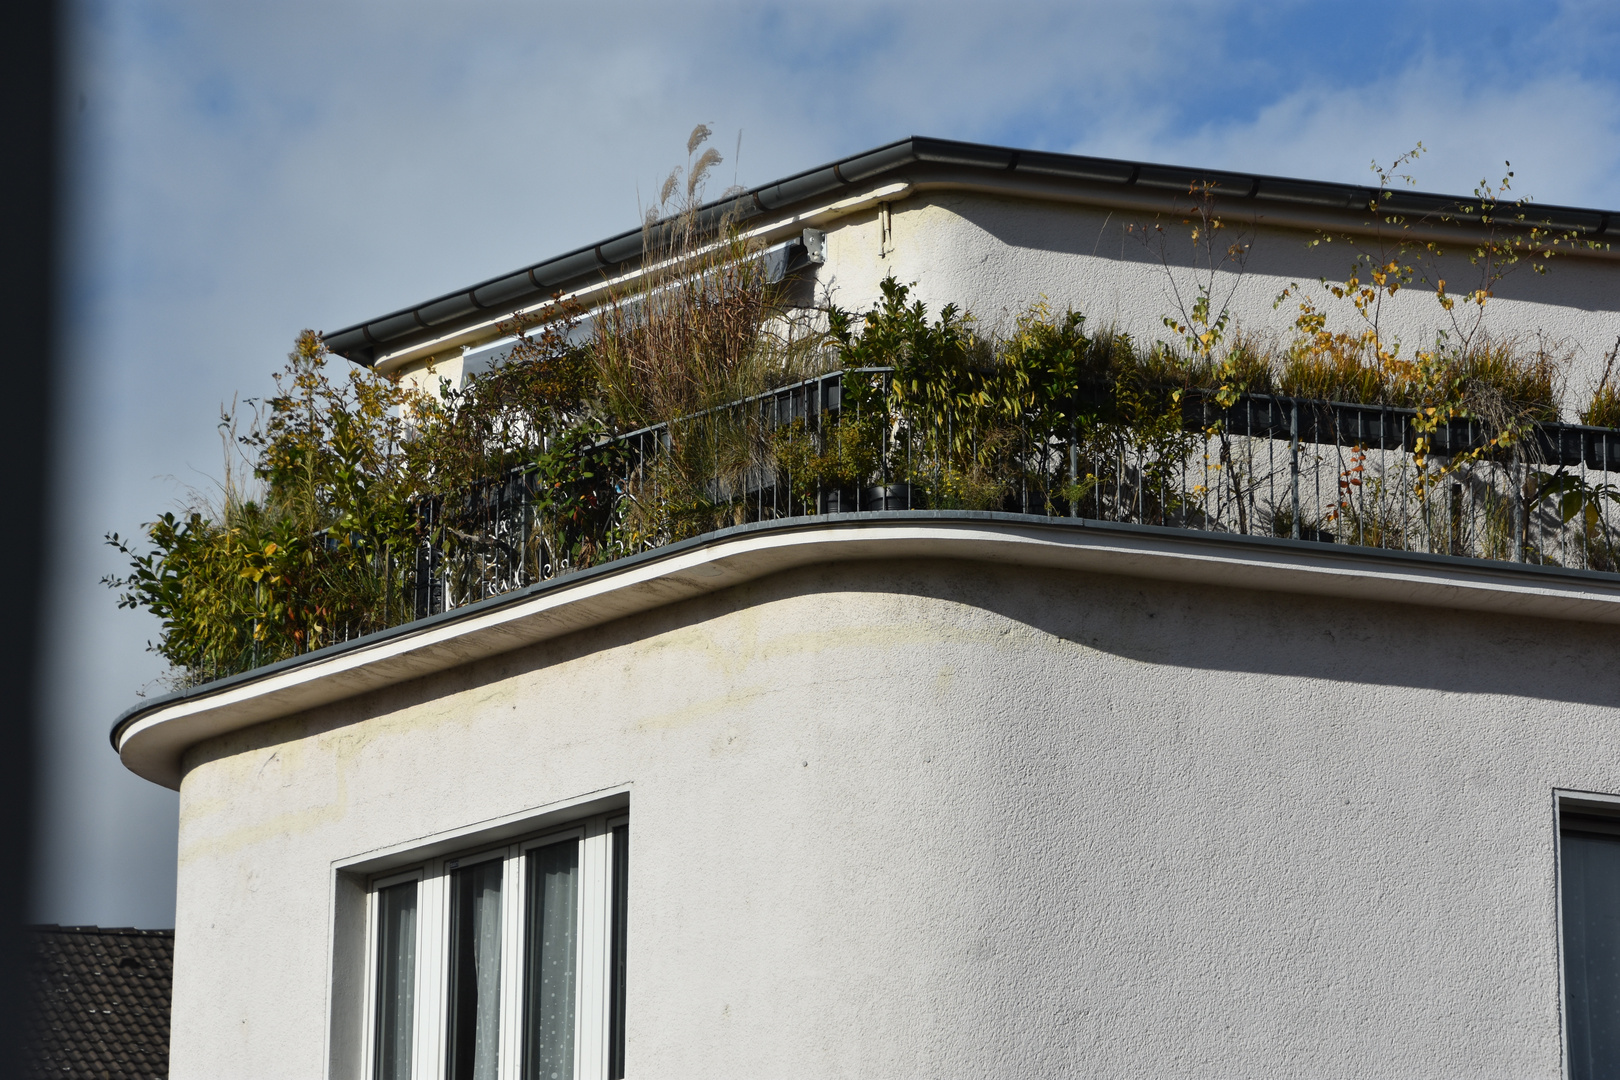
(396, 981)
(552, 926)
(487, 963)
(475, 972)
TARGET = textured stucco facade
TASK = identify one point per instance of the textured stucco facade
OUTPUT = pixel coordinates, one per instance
(958, 818)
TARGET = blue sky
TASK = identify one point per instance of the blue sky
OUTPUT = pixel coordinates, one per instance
(242, 171)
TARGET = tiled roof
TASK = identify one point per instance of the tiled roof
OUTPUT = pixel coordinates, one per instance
(100, 1003)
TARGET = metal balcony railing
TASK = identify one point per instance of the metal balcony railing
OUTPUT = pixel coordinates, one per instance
(1328, 472)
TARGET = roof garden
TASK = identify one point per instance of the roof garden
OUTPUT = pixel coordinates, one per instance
(693, 398)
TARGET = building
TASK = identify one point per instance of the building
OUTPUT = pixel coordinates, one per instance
(100, 1000)
(922, 792)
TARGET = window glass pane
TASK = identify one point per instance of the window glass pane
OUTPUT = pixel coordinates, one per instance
(621, 895)
(475, 972)
(396, 980)
(1591, 901)
(550, 933)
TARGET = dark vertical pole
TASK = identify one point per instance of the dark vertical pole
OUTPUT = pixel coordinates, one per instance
(1456, 519)
(1023, 464)
(1293, 460)
(1518, 526)
(618, 932)
(28, 283)
(1074, 470)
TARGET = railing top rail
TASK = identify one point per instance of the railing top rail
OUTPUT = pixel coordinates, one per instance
(813, 380)
(1553, 432)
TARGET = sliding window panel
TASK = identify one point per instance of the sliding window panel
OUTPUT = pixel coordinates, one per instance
(618, 931)
(595, 865)
(551, 960)
(395, 988)
(1589, 888)
(473, 996)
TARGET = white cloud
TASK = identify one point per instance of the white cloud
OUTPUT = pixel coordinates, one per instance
(1561, 133)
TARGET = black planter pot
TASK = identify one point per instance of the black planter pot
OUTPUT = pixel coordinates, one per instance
(888, 497)
(836, 502)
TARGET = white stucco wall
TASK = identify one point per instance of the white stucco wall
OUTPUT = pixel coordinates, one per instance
(996, 255)
(948, 819)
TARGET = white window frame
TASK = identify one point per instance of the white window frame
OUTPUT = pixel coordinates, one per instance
(1597, 804)
(373, 891)
(613, 821)
(592, 1023)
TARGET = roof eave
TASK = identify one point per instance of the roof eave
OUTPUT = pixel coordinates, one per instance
(933, 163)
(153, 737)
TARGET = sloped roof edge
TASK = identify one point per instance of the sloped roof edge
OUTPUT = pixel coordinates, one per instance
(363, 342)
(99, 1000)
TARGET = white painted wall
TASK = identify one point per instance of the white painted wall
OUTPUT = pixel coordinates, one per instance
(933, 819)
(997, 255)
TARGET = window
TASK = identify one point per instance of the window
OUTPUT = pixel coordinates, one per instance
(503, 963)
(1589, 894)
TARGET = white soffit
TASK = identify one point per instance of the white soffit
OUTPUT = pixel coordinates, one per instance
(765, 231)
(152, 740)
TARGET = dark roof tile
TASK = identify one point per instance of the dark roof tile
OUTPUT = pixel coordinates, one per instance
(100, 1002)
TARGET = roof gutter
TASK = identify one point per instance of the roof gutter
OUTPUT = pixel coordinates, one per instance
(597, 289)
(845, 186)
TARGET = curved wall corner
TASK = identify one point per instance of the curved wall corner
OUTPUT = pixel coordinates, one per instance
(961, 815)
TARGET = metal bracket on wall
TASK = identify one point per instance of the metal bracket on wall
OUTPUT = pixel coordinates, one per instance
(815, 246)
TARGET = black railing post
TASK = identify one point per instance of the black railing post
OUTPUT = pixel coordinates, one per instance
(1074, 470)
(1456, 519)
(1517, 527)
(1293, 461)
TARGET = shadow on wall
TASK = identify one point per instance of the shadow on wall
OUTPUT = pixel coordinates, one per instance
(1162, 625)
(1206, 628)
(1211, 628)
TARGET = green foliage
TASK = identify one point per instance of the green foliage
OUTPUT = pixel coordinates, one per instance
(308, 560)
(981, 422)
(1581, 503)
(1603, 407)
(191, 579)
(465, 435)
(844, 455)
(576, 499)
(355, 478)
